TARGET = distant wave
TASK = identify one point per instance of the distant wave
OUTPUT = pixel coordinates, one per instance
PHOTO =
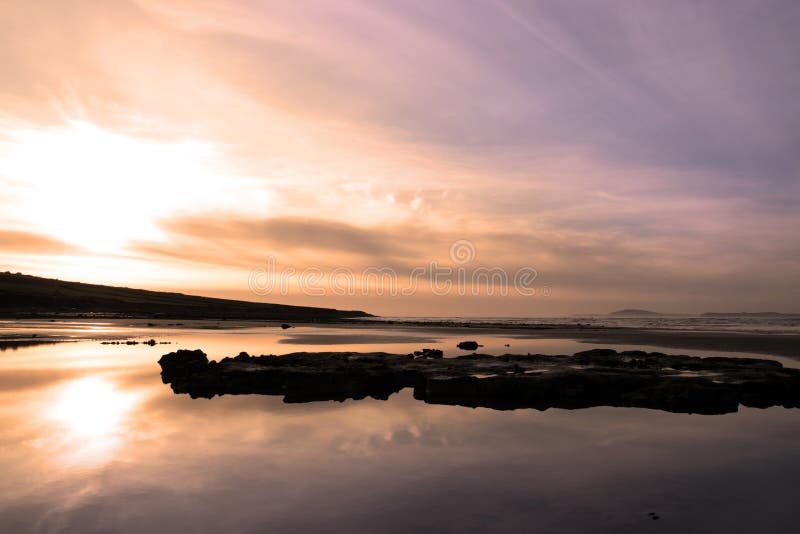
(784, 324)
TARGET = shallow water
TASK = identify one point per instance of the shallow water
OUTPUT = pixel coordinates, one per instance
(769, 324)
(92, 441)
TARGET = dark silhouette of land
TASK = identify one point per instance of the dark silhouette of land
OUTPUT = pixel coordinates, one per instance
(599, 377)
(24, 296)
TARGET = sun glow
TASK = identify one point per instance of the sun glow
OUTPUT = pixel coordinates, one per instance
(90, 414)
(100, 190)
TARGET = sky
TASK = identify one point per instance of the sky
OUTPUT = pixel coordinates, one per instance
(541, 157)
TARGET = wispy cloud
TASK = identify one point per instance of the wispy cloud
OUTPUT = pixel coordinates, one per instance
(16, 242)
(646, 147)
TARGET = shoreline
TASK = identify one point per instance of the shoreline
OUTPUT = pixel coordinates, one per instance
(774, 344)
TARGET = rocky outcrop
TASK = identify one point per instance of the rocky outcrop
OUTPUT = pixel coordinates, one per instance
(599, 377)
(429, 353)
(182, 364)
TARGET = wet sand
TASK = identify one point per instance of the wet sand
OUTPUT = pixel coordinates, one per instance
(753, 342)
(758, 343)
(787, 345)
(774, 344)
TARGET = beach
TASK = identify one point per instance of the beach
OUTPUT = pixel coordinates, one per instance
(95, 441)
(741, 340)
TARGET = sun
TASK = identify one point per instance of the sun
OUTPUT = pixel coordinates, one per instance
(99, 189)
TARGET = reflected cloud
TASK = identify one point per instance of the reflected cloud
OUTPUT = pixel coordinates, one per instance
(253, 463)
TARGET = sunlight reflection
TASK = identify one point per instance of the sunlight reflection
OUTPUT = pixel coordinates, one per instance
(90, 414)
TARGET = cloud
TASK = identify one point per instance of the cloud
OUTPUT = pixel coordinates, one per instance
(16, 242)
(290, 234)
(646, 148)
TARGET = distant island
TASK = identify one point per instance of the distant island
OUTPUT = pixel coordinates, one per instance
(31, 296)
(629, 312)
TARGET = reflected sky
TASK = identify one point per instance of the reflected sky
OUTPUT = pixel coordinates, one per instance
(108, 447)
(89, 415)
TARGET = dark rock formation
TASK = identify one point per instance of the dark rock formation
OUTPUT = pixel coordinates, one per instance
(285, 326)
(151, 342)
(468, 345)
(183, 363)
(429, 353)
(599, 377)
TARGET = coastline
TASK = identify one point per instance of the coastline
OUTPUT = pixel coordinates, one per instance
(786, 345)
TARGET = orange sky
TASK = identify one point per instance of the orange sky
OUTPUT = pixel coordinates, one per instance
(633, 156)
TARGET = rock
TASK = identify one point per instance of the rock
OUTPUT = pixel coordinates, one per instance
(590, 378)
(429, 353)
(285, 326)
(182, 363)
(152, 343)
(593, 353)
(468, 345)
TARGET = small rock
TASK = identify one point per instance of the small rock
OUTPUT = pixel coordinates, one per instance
(468, 345)
(596, 353)
(429, 353)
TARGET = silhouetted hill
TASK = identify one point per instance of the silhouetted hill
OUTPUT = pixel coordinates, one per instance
(25, 296)
(633, 312)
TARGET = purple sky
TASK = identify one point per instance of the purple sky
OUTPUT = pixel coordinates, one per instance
(635, 154)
